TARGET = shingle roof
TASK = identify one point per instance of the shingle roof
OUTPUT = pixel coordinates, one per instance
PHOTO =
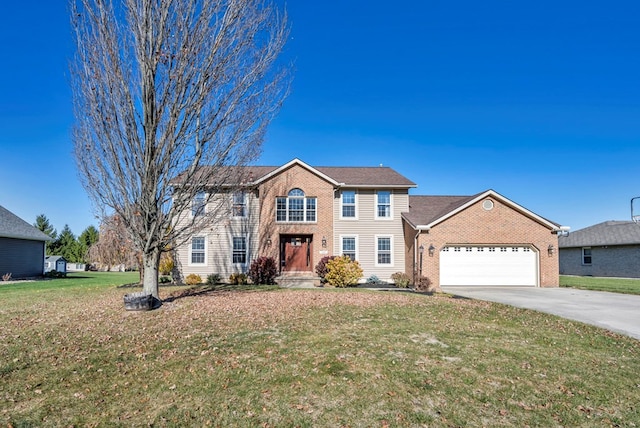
(366, 176)
(605, 233)
(349, 176)
(426, 209)
(12, 226)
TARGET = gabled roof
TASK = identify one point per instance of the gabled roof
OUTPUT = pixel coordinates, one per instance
(12, 226)
(605, 233)
(54, 259)
(352, 176)
(427, 211)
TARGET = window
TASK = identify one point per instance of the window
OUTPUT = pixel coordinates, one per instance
(198, 204)
(383, 206)
(239, 207)
(383, 256)
(239, 249)
(348, 204)
(198, 250)
(586, 256)
(349, 247)
(296, 207)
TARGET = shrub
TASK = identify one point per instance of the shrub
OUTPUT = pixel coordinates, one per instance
(424, 284)
(321, 267)
(263, 270)
(54, 274)
(164, 279)
(213, 279)
(401, 279)
(373, 279)
(343, 272)
(166, 264)
(238, 279)
(6, 276)
(193, 279)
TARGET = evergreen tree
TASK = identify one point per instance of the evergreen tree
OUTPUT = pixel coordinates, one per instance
(67, 246)
(87, 238)
(44, 225)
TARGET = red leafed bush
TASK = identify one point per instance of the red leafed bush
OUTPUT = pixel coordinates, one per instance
(321, 267)
(263, 270)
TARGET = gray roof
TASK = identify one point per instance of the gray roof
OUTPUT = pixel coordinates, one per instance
(606, 233)
(12, 226)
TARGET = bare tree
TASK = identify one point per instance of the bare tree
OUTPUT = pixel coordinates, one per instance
(170, 96)
(114, 247)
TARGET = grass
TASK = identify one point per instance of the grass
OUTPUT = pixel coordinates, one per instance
(266, 357)
(615, 285)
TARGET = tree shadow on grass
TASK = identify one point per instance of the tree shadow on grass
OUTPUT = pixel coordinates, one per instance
(201, 290)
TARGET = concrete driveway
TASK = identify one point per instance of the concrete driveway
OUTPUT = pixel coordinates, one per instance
(612, 311)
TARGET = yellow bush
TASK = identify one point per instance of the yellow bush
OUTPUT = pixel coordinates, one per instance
(343, 272)
(193, 279)
(166, 264)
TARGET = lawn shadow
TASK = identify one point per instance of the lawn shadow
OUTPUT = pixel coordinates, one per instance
(201, 290)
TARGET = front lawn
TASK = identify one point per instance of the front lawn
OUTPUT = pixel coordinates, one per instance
(615, 285)
(328, 358)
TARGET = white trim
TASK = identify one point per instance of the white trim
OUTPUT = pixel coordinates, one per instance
(355, 198)
(245, 204)
(246, 249)
(375, 206)
(206, 248)
(582, 256)
(355, 237)
(391, 247)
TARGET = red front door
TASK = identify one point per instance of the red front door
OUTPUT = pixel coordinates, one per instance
(295, 253)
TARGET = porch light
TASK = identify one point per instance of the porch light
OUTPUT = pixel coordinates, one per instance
(324, 242)
(421, 249)
(432, 250)
(551, 249)
(269, 242)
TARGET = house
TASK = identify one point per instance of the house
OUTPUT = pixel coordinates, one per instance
(57, 263)
(298, 214)
(609, 249)
(22, 247)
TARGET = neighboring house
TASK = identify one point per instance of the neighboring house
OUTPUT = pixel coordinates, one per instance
(57, 263)
(610, 249)
(22, 247)
(299, 214)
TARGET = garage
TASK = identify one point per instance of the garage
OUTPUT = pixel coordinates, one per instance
(515, 265)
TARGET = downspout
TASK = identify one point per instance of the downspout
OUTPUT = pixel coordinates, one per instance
(415, 246)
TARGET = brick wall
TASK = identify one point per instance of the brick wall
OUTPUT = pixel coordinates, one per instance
(313, 186)
(613, 261)
(477, 226)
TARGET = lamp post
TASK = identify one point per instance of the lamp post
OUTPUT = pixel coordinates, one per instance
(421, 249)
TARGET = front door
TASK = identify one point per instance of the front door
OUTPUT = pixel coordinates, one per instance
(295, 253)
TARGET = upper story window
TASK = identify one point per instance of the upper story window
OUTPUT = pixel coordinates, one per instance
(198, 204)
(239, 207)
(348, 204)
(586, 256)
(383, 204)
(296, 207)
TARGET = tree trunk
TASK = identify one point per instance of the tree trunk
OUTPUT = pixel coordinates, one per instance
(150, 262)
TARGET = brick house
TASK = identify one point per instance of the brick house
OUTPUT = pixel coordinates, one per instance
(609, 249)
(298, 214)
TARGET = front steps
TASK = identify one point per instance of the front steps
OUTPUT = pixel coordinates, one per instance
(298, 280)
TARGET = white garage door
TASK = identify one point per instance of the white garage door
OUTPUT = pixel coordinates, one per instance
(488, 266)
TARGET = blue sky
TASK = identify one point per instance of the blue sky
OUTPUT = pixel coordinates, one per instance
(539, 101)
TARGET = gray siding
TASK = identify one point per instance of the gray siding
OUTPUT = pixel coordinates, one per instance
(612, 261)
(22, 258)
